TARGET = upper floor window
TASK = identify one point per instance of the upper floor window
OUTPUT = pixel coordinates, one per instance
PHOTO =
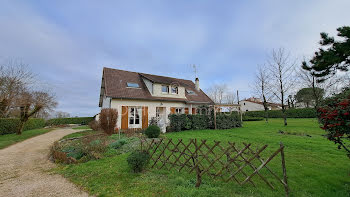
(174, 90)
(165, 89)
(132, 85)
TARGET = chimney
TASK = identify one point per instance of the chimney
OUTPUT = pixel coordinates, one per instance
(197, 84)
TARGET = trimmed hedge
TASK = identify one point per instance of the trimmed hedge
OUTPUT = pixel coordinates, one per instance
(291, 113)
(63, 121)
(180, 122)
(10, 125)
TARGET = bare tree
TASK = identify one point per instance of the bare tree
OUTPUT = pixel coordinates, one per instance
(15, 77)
(61, 114)
(32, 102)
(108, 120)
(262, 88)
(282, 71)
(217, 92)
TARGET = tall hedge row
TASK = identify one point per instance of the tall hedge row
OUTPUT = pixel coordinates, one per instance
(291, 113)
(179, 122)
(62, 121)
(10, 125)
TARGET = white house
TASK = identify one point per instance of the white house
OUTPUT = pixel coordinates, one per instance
(138, 97)
(255, 104)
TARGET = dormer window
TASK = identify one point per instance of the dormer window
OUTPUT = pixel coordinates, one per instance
(174, 90)
(165, 89)
(132, 85)
(190, 92)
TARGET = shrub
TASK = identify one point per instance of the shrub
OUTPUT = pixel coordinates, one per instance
(10, 125)
(117, 144)
(153, 121)
(138, 160)
(94, 125)
(203, 121)
(334, 115)
(152, 131)
(64, 121)
(290, 113)
(108, 120)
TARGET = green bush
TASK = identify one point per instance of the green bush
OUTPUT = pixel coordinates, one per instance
(63, 121)
(180, 122)
(291, 113)
(117, 144)
(138, 160)
(10, 125)
(152, 131)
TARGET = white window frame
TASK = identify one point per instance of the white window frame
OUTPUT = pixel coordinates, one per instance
(132, 117)
(176, 90)
(179, 110)
(168, 88)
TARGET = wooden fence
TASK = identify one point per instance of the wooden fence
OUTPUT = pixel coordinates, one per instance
(230, 162)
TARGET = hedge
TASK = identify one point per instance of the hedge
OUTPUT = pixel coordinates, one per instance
(10, 125)
(179, 122)
(63, 121)
(291, 113)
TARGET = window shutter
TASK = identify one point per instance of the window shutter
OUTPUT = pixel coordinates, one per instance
(186, 110)
(172, 110)
(144, 117)
(193, 111)
(125, 117)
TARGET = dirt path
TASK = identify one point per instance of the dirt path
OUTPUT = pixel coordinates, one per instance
(24, 169)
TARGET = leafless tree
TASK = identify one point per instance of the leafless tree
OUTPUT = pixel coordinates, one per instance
(32, 102)
(108, 120)
(15, 78)
(262, 87)
(282, 71)
(61, 114)
(217, 92)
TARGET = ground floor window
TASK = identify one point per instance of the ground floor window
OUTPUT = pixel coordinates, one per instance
(178, 110)
(134, 116)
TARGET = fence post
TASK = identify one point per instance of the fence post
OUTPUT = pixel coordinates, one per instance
(284, 170)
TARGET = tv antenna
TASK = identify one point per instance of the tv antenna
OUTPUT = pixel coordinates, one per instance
(194, 70)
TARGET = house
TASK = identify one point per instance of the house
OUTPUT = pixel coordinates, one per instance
(138, 97)
(255, 104)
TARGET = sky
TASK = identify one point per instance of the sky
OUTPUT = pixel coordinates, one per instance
(67, 43)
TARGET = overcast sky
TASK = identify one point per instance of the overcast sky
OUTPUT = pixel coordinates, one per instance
(67, 43)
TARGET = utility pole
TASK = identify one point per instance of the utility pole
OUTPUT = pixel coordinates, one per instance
(240, 111)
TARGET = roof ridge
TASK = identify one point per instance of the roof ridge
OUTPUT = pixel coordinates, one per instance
(147, 74)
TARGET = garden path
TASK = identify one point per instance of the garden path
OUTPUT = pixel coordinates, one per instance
(25, 168)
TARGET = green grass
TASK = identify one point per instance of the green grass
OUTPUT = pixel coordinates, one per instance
(80, 133)
(314, 166)
(82, 127)
(9, 139)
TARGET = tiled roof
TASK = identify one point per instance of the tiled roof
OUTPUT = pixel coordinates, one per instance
(115, 86)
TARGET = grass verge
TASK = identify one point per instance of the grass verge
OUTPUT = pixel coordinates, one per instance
(9, 139)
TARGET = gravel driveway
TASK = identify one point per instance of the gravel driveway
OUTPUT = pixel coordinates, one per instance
(24, 169)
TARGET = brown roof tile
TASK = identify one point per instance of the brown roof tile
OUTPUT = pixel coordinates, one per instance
(115, 86)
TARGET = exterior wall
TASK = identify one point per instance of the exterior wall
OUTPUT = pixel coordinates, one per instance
(149, 85)
(118, 103)
(106, 102)
(157, 91)
(250, 106)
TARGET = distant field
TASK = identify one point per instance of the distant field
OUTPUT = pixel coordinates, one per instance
(315, 167)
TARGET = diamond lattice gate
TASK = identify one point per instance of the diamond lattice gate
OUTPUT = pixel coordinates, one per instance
(227, 161)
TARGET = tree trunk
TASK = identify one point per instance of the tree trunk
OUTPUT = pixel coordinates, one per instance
(21, 126)
(284, 116)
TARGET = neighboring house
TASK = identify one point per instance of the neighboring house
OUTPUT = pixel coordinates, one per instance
(138, 97)
(255, 104)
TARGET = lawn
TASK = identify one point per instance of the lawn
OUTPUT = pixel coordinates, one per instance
(314, 166)
(9, 139)
(82, 127)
